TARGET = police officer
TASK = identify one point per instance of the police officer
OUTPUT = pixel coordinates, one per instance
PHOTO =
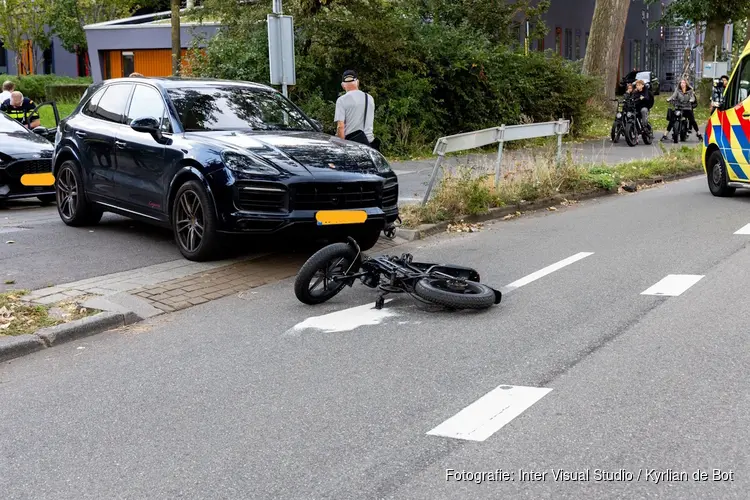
(18, 106)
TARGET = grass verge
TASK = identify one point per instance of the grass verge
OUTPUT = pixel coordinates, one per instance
(471, 191)
(47, 116)
(19, 318)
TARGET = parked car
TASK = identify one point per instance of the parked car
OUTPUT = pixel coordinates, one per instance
(24, 151)
(649, 77)
(211, 157)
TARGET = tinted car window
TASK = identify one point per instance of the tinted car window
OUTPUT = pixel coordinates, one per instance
(232, 108)
(90, 108)
(111, 107)
(147, 102)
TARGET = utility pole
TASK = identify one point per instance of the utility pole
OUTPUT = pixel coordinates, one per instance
(176, 42)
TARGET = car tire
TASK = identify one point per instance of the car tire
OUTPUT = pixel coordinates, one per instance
(47, 199)
(718, 177)
(72, 206)
(194, 223)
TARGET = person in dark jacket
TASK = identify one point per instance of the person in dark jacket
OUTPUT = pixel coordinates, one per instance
(644, 100)
(684, 100)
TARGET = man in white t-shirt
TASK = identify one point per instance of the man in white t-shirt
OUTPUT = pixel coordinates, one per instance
(8, 88)
(355, 113)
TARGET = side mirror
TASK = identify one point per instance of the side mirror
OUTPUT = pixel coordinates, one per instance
(148, 125)
(40, 130)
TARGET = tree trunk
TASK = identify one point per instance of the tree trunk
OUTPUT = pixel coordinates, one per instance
(711, 49)
(176, 43)
(605, 42)
(747, 34)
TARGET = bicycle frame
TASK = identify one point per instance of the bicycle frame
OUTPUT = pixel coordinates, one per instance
(401, 274)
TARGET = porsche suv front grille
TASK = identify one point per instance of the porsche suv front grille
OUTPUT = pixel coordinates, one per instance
(336, 195)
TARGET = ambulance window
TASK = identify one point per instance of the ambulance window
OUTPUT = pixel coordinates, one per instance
(741, 88)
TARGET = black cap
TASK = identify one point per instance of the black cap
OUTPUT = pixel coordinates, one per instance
(349, 76)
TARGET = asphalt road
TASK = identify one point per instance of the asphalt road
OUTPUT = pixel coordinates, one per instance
(45, 252)
(236, 399)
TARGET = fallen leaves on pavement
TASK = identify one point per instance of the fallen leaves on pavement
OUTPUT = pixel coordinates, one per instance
(18, 317)
(463, 227)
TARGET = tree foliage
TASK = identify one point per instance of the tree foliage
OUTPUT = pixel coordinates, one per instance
(702, 11)
(22, 21)
(434, 67)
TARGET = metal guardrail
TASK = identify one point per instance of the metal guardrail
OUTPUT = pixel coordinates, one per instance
(500, 135)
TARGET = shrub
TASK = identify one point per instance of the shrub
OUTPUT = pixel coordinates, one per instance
(429, 79)
(35, 86)
(67, 92)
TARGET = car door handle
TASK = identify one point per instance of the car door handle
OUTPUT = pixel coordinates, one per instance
(81, 134)
(120, 144)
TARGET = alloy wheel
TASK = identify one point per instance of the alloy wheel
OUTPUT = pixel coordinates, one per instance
(190, 221)
(67, 193)
(325, 277)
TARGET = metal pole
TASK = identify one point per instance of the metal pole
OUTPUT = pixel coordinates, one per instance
(559, 142)
(440, 157)
(499, 160)
(277, 9)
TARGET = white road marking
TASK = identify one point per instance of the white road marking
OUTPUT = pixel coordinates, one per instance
(673, 284)
(345, 320)
(544, 272)
(490, 413)
(743, 230)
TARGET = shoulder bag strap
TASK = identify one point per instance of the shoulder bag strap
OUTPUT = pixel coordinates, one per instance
(367, 100)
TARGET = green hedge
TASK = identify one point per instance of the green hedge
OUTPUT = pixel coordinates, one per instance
(66, 92)
(35, 87)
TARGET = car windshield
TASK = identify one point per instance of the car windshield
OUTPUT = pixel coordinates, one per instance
(9, 125)
(235, 108)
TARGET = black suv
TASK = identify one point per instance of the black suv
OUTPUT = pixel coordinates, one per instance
(206, 157)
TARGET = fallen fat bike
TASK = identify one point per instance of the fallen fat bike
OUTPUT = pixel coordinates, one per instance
(335, 266)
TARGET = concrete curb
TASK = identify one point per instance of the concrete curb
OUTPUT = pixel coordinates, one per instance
(426, 230)
(14, 347)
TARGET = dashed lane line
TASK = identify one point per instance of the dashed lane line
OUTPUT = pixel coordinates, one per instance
(673, 285)
(545, 271)
(490, 413)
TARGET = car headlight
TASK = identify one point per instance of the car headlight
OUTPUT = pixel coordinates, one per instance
(246, 164)
(381, 164)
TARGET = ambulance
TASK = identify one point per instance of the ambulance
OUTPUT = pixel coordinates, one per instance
(726, 143)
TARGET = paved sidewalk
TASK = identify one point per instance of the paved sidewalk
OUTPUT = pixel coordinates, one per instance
(171, 286)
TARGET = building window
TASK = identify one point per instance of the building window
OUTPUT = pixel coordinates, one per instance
(578, 44)
(47, 57)
(636, 56)
(568, 43)
(558, 40)
(3, 58)
(128, 63)
(540, 45)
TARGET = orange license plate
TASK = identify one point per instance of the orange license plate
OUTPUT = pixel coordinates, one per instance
(328, 217)
(46, 179)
